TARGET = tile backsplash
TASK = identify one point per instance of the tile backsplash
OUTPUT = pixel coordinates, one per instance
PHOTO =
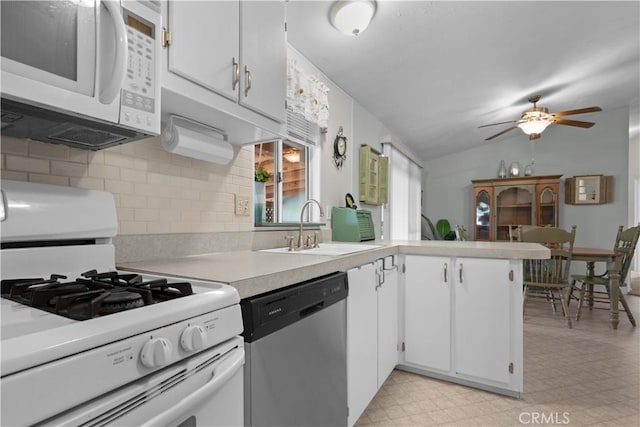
(155, 192)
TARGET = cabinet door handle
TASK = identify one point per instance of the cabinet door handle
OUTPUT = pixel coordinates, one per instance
(445, 273)
(235, 77)
(247, 80)
(460, 273)
(511, 275)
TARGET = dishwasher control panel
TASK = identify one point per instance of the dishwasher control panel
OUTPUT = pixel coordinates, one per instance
(266, 313)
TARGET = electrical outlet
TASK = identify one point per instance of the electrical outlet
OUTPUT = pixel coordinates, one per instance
(242, 205)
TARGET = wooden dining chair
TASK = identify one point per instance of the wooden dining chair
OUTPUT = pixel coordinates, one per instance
(549, 275)
(515, 229)
(625, 245)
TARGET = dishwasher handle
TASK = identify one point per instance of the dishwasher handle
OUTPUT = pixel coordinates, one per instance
(311, 309)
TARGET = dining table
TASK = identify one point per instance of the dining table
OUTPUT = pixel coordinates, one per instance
(612, 261)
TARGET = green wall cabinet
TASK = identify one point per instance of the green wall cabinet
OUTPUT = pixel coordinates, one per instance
(374, 172)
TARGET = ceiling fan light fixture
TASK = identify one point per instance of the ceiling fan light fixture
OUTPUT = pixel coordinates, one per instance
(535, 120)
(352, 17)
(534, 125)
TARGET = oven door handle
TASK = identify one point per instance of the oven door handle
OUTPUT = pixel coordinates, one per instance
(217, 382)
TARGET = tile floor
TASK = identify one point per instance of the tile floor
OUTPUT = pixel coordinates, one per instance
(588, 375)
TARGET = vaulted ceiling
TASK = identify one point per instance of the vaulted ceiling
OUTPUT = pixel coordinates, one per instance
(432, 72)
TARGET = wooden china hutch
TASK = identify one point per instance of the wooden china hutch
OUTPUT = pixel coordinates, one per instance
(503, 203)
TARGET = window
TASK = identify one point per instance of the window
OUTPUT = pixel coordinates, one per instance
(279, 199)
(402, 211)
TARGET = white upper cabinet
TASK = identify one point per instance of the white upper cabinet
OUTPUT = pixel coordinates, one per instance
(263, 57)
(205, 41)
(224, 65)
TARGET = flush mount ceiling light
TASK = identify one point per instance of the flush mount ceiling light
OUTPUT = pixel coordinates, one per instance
(352, 16)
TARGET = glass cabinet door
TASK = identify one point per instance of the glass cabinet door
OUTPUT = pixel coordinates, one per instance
(547, 208)
(483, 216)
(514, 206)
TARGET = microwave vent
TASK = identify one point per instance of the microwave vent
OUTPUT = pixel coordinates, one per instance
(85, 137)
(21, 120)
(301, 130)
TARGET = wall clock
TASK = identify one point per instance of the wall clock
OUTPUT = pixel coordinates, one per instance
(339, 149)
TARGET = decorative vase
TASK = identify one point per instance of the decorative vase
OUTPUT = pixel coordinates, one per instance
(528, 170)
(502, 170)
(514, 169)
(259, 202)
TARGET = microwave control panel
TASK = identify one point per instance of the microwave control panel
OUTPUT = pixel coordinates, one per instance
(140, 106)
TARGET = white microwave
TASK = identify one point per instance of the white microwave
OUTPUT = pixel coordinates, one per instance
(81, 72)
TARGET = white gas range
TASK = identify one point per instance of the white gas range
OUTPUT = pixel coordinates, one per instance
(84, 344)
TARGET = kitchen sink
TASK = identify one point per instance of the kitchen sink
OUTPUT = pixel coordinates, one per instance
(332, 249)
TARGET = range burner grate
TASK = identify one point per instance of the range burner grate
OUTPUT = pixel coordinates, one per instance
(92, 295)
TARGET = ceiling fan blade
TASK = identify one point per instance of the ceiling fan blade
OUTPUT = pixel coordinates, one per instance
(576, 123)
(578, 111)
(501, 123)
(500, 133)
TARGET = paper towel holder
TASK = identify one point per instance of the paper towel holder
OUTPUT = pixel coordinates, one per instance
(220, 150)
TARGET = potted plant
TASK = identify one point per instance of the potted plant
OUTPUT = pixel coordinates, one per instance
(442, 230)
(261, 176)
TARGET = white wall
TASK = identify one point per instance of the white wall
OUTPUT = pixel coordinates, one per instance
(634, 180)
(634, 177)
(334, 183)
(369, 130)
(602, 149)
(360, 127)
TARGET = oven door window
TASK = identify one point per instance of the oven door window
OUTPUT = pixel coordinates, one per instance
(53, 42)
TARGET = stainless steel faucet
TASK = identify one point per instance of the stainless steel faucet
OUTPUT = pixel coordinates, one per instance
(300, 245)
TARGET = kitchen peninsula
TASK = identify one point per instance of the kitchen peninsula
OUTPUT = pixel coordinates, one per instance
(459, 310)
(256, 272)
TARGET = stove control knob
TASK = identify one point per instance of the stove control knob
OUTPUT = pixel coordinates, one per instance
(156, 352)
(194, 338)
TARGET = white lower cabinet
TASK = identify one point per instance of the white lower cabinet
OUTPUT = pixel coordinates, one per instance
(458, 319)
(483, 319)
(387, 323)
(463, 321)
(362, 340)
(372, 333)
(427, 320)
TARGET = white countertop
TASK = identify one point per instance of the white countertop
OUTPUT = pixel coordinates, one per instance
(254, 272)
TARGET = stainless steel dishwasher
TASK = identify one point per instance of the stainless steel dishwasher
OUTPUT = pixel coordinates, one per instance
(295, 354)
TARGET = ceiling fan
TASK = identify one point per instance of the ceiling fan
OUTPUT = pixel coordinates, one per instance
(535, 119)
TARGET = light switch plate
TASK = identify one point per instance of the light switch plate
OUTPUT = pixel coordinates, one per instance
(242, 205)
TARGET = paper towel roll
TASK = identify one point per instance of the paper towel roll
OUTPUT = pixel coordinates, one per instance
(190, 139)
